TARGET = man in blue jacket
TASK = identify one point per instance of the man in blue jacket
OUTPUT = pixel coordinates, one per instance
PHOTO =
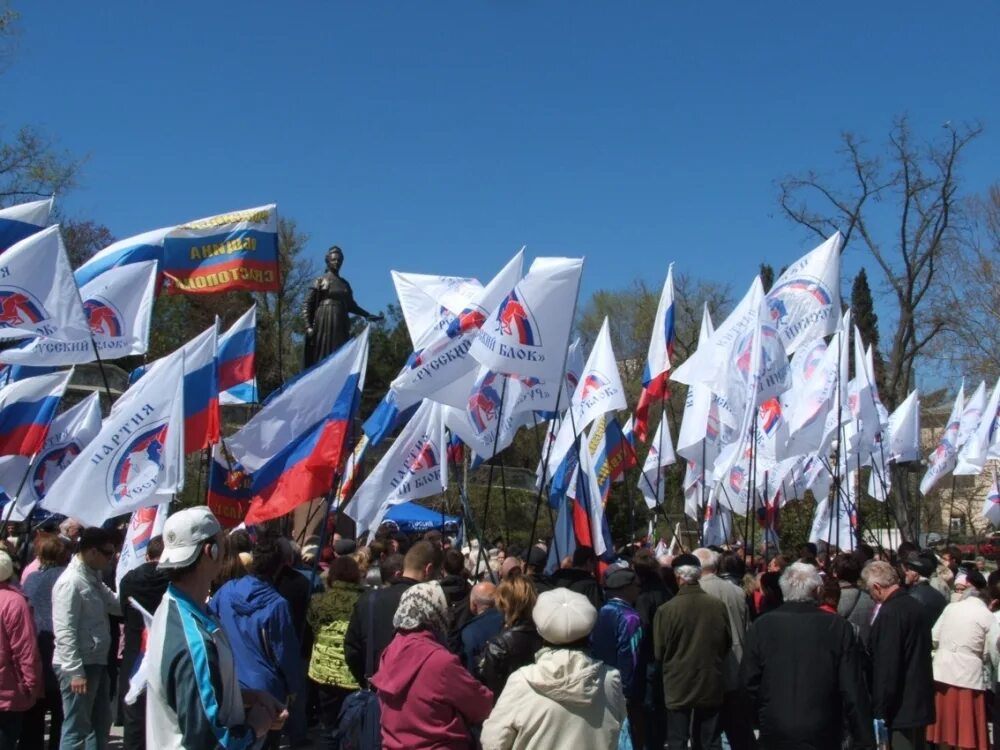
(259, 624)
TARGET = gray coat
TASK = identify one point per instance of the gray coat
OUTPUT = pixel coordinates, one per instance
(736, 609)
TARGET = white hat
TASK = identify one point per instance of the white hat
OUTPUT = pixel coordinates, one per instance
(6, 567)
(563, 616)
(184, 533)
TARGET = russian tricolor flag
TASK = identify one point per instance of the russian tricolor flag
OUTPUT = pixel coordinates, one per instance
(146, 246)
(201, 392)
(228, 490)
(657, 367)
(27, 408)
(23, 220)
(306, 468)
(237, 361)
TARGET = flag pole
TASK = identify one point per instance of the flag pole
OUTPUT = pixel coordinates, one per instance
(13, 500)
(489, 481)
(673, 418)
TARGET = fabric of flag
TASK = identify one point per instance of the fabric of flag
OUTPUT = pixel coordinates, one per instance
(138, 679)
(307, 467)
(443, 369)
(972, 415)
(68, 434)
(804, 303)
(38, 296)
(652, 483)
(144, 524)
(600, 388)
(201, 392)
(972, 456)
(991, 508)
(303, 403)
(563, 537)
(456, 450)
(412, 468)
(137, 459)
(942, 460)
(224, 253)
(717, 528)
(118, 305)
(661, 350)
(237, 357)
(23, 220)
(589, 520)
(137, 249)
(229, 492)
(528, 332)
(430, 304)
(27, 409)
(353, 471)
(610, 453)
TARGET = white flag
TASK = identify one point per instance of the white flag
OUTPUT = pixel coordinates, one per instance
(443, 368)
(138, 456)
(991, 508)
(652, 483)
(600, 388)
(972, 415)
(118, 305)
(528, 332)
(38, 296)
(904, 431)
(973, 453)
(430, 303)
(942, 460)
(805, 300)
(143, 526)
(415, 466)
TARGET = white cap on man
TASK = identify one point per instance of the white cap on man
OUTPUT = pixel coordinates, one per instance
(183, 535)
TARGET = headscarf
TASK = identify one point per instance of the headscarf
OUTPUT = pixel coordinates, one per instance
(422, 606)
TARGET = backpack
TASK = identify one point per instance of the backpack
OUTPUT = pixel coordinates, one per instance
(360, 719)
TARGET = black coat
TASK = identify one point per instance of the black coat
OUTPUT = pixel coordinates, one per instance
(803, 669)
(933, 600)
(356, 639)
(147, 586)
(514, 648)
(902, 674)
(581, 582)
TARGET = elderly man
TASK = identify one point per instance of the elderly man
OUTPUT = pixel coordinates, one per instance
(486, 623)
(735, 719)
(918, 569)
(902, 675)
(691, 641)
(802, 669)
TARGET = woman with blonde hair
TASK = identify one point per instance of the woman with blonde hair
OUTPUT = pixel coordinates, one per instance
(518, 642)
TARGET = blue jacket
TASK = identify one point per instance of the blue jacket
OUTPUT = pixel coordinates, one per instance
(264, 639)
(615, 640)
(476, 634)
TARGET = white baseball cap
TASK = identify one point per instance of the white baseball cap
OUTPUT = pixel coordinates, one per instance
(183, 535)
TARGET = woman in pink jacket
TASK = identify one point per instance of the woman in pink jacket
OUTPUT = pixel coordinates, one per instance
(20, 665)
(428, 699)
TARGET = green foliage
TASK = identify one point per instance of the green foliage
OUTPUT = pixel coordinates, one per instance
(389, 346)
(865, 318)
(766, 274)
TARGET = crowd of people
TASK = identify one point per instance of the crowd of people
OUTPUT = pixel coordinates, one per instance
(418, 643)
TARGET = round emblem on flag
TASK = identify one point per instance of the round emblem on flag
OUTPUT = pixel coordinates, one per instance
(103, 318)
(135, 469)
(19, 307)
(50, 465)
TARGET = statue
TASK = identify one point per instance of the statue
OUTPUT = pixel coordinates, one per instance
(329, 305)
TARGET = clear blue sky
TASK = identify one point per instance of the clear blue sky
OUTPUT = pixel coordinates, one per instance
(441, 136)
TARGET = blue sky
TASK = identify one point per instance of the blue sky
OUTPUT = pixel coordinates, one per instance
(441, 136)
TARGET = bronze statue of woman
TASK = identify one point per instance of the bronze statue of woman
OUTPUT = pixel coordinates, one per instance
(329, 305)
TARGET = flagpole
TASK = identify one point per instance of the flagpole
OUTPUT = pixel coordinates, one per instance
(751, 488)
(496, 439)
(13, 500)
(951, 508)
(704, 487)
(673, 417)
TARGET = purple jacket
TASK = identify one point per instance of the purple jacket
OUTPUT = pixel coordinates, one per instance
(20, 665)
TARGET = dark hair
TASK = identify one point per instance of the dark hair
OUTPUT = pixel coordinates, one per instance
(905, 548)
(376, 551)
(344, 569)
(240, 541)
(865, 552)
(155, 548)
(454, 562)
(780, 561)
(94, 537)
(846, 567)
(831, 592)
(268, 556)
(434, 537)
(390, 566)
(808, 549)
(732, 565)
(772, 597)
(993, 585)
(422, 554)
(646, 567)
(52, 552)
(232, 566)
(584, 557)
(954, 552)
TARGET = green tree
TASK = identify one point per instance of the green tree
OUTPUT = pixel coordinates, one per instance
(865, 318)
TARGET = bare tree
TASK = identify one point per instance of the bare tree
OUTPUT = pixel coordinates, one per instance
(922, 180)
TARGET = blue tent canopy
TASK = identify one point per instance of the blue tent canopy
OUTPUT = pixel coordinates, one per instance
(411, 517)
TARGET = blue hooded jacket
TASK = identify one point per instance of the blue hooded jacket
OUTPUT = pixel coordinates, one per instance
(264, 639)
